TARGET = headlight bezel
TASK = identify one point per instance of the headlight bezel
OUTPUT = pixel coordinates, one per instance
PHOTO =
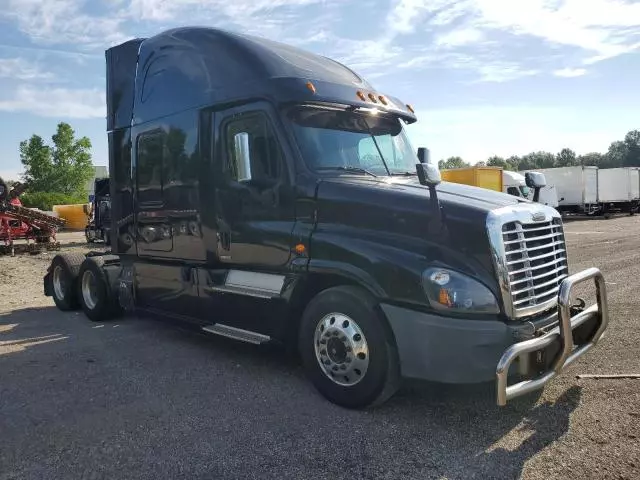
(461, 290)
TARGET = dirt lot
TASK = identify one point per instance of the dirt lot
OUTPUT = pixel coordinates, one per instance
(141, 399)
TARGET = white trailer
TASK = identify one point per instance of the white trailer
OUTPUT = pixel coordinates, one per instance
(619, 189)
(635, 183)
(576, 188)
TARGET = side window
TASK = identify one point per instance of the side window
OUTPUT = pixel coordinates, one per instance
(149, 169)
(253, 152)
(513, 191)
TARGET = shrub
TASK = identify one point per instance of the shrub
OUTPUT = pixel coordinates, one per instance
(46, 200)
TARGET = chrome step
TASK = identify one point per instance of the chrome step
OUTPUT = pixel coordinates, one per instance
(250, 292)
(236, 333)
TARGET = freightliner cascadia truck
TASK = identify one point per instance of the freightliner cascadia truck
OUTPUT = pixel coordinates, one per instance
(268, 194)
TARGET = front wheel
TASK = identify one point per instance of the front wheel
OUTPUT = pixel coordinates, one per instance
(347, 348)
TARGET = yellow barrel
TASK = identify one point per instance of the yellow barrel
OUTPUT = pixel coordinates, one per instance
(74, 215)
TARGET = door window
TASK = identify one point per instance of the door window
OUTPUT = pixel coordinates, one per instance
(149, 170)
(253, 153)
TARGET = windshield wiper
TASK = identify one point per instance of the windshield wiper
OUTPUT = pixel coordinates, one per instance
(404, 174)
(349, 169)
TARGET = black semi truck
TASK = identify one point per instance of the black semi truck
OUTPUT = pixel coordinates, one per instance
(268, 194)
(98, 227)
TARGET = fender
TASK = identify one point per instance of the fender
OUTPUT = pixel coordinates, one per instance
(348, 272)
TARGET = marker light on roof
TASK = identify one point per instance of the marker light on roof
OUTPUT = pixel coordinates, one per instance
(361, 96)
(410, 108)
(373, 98)
(311, 87)
(382, 99)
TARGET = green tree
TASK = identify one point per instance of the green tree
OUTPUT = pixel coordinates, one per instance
(616, 156)
(62, 168)
(566, 158)
(632, 142)
(36, 156)
(538, 159)
(593, 159)
(452, 162)
(513, 163)
(496, 161)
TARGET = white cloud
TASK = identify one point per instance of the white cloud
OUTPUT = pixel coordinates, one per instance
(406, 15)
(162, 10)
(460, 37)
(503, 72)
(595, 26)
(52, 22)
(20, 69)
(55, 102)
(570, 72)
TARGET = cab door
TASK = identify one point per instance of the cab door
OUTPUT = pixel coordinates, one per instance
(254, 219)
(254, 191)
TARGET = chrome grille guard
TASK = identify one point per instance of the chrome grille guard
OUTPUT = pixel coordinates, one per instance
(563, 332)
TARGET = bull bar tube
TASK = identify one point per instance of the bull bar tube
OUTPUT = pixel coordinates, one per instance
(564, 330)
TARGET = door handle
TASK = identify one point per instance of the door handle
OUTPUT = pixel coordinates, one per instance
(225, 240)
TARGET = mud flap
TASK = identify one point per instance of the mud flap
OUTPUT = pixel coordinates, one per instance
(47, 285)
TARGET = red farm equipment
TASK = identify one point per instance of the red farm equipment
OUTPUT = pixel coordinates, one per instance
(35, 230)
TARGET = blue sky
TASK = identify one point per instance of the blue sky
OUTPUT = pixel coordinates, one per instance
(485, 76)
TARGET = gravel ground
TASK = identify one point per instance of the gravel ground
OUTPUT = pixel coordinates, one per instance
(141, 399)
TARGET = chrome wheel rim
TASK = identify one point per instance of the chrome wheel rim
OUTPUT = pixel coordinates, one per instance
(341, 349)
(89, 293)
(58, 282)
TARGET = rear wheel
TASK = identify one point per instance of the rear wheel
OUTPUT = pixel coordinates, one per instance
(94, 293)
(63, 277)
(347, 348)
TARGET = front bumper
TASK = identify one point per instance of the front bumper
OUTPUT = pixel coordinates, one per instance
(443, 349)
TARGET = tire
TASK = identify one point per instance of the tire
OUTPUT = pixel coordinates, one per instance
(94, 293)
(63, 277)
(359, 381)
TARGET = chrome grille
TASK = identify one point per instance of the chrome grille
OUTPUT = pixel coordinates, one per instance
(530, 256)
(536, 260)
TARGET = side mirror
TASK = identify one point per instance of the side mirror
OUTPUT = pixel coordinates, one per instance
(243, 156)
(423, 155)
(428, 174)
(535, 179)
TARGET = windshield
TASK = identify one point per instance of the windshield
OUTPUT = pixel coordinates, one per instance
(337, 139)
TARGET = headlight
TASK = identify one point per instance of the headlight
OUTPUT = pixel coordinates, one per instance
(451, 291)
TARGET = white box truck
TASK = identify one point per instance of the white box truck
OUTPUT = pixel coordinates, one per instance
(576, 188)
(618, 189)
